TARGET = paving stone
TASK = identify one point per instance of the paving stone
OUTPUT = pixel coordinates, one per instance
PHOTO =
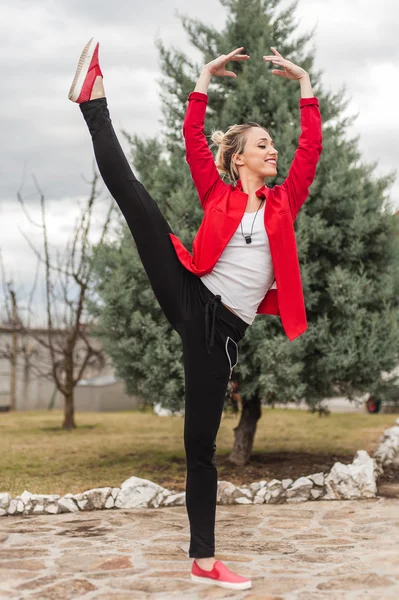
(37, 583)
(154, 585)
(278, 585)
(362, 581)
(117, 562)
(67, 590)
(24, 565)
(21, 552)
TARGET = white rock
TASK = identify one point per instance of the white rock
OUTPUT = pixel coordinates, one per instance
(317, 478)
(26, 496)
(110, 502)
(299, 491)
(316, 493)
(275, 496)
(286, 483)
(388, 448)
(28, 508)
(295, 499)
(245, 491)
(93, 499)
(348, 482)
(277, 492)
(259, 499)
(261, 493)
(20, 505)
(78, 497)
(3, 513)
(67, 504)
(137, 493)
(274, 492)
(5, 500)
(52, 509)
(243, 501)
(228, 493)
(45, 497)
(159, 499)
(274, 484)
(115, 492)
(257, 485)
(38, 509)
(175, 499)
(42, 500)
(166, 412)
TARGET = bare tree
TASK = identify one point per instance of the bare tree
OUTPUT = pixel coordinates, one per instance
(20, 347)
(9, 351)
(68, 285)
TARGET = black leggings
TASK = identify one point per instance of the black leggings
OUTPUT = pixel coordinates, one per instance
(209, 331)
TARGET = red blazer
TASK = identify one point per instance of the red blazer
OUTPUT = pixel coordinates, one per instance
(224, 206)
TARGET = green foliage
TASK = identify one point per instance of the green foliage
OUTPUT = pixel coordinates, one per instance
(347, 237)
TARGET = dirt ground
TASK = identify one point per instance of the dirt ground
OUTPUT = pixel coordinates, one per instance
(279, 465)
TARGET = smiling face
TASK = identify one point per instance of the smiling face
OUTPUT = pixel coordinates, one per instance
(259, 157)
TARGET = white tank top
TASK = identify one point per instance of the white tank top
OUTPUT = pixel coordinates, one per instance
(244, 272)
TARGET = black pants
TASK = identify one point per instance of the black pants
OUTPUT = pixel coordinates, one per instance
(209, 331)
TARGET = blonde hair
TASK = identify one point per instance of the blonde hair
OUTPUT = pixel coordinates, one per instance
(229, 143)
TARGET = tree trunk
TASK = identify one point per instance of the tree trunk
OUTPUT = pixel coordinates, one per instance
(69, 408)
(244, 433)
(13, 361)
(69, 412)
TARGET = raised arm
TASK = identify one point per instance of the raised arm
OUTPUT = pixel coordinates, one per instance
(198, 155)
(303, 167)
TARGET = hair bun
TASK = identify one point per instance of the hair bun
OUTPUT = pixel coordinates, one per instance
(217, 137)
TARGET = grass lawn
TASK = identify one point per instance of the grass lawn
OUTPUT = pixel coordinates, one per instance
(107, 448)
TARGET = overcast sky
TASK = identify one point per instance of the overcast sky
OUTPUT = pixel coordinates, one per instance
(43, 133)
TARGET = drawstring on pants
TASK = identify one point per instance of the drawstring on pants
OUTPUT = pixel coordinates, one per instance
(210, 313)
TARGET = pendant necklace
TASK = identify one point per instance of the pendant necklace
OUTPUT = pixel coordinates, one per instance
(248, 238)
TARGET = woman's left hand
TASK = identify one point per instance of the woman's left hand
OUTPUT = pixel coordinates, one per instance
(288, 69)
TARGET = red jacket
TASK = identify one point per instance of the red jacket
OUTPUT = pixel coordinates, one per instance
(224, 206)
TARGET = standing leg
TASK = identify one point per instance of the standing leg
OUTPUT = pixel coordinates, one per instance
(207, 371)
(206, 378)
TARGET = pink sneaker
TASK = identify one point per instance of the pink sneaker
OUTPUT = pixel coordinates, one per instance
(86, 73)
(221, 576)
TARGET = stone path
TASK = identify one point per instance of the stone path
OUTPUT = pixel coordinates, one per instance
(309, 551)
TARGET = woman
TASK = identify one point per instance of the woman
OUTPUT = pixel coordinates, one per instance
(245, 242)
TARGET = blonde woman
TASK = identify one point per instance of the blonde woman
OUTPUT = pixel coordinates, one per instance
(245, 244)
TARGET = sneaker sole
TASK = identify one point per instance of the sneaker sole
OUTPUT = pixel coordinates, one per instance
(246, 585)
(82, 69)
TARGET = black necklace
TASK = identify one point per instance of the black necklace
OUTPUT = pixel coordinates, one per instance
(248, 238)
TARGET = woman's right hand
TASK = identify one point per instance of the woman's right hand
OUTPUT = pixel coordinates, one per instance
(217, 66)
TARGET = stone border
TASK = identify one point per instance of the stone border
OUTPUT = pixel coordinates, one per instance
(343, 482)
